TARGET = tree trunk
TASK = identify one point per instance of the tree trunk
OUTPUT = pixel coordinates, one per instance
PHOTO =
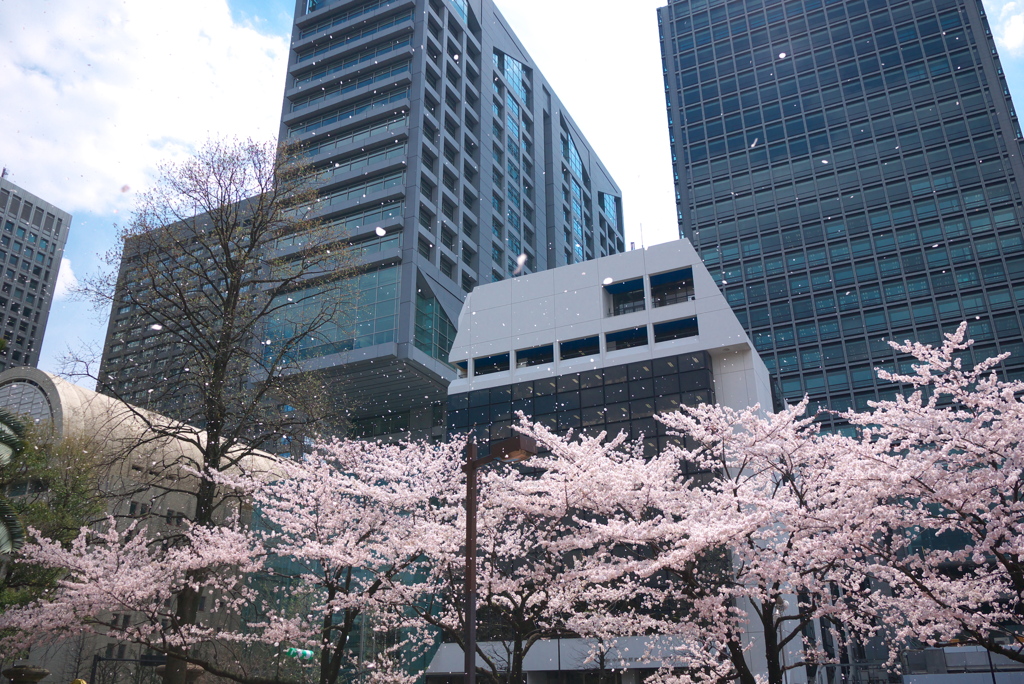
(771, 645)
(185, 614)
(187, 601)
(739, 662)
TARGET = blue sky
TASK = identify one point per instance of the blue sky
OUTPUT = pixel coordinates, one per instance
(269, 16)
(96, 92)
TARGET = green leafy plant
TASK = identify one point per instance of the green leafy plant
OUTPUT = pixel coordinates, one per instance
(12, 445)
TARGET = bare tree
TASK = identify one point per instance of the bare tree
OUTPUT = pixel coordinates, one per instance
(223, 283)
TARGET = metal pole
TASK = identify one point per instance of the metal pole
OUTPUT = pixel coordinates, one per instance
(558, 636)
(95, 661)
(470, 650)
(991, 667)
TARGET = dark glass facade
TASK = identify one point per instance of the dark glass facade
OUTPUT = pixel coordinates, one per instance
(623, 398)
(33, 233)
(850, 173)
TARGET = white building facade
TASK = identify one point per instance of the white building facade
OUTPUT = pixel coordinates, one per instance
(602, 345)
(599, 346)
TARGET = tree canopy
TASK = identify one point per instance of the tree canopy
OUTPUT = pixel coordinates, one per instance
(223, 277)
(768, 545)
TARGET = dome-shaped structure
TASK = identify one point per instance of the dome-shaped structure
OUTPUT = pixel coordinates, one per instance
(145, 464)
(125, 434)
(49, 399)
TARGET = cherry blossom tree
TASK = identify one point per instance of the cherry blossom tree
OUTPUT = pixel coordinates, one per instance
(349, 530)
(226, 275)
(716, 551)
(338, 546)
(768, 540)
(761, 546)
(119, 582)
(944, 541)
(528, 588)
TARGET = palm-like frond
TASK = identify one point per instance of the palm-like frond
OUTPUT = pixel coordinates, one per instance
(12, 435)
(12, 533)
(12, 442)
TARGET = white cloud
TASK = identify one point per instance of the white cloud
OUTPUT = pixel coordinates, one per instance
(96, 92)
(1007, 22)
(66, 280)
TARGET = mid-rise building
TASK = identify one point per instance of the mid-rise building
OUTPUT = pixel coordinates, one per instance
(447, 161)
(31, 246)
(850, 172)
(602, 346)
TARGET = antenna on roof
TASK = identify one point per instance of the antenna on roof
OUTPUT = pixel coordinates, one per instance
(3, 174)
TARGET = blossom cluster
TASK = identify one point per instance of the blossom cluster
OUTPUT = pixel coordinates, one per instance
(763, 546)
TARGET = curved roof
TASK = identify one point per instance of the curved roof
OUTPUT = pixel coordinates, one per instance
(111, 425)
(69, 408)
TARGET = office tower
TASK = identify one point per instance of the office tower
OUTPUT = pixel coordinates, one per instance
(850, 171)
(445, 156)
(31, 246)
(602, 346)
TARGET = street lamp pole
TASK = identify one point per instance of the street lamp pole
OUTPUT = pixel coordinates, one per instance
(517, 448)
(472, 465)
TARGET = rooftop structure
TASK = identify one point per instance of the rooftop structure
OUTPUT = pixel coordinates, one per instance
(602, 346)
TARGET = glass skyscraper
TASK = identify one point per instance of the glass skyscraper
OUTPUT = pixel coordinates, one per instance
(445, 160)
(850, 172)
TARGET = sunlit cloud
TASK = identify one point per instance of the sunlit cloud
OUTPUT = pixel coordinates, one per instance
(1007, 22)
(66, 280)
(97, 92)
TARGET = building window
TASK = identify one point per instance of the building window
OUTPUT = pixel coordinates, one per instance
(447, 268)
(434, 332)
(674, 330)
(485, 365)
(625, 339)
(625, 297)
(448, 239)
(424, 248)
(672, 287)
(535, 356)
(586, 346)
(612, 399)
